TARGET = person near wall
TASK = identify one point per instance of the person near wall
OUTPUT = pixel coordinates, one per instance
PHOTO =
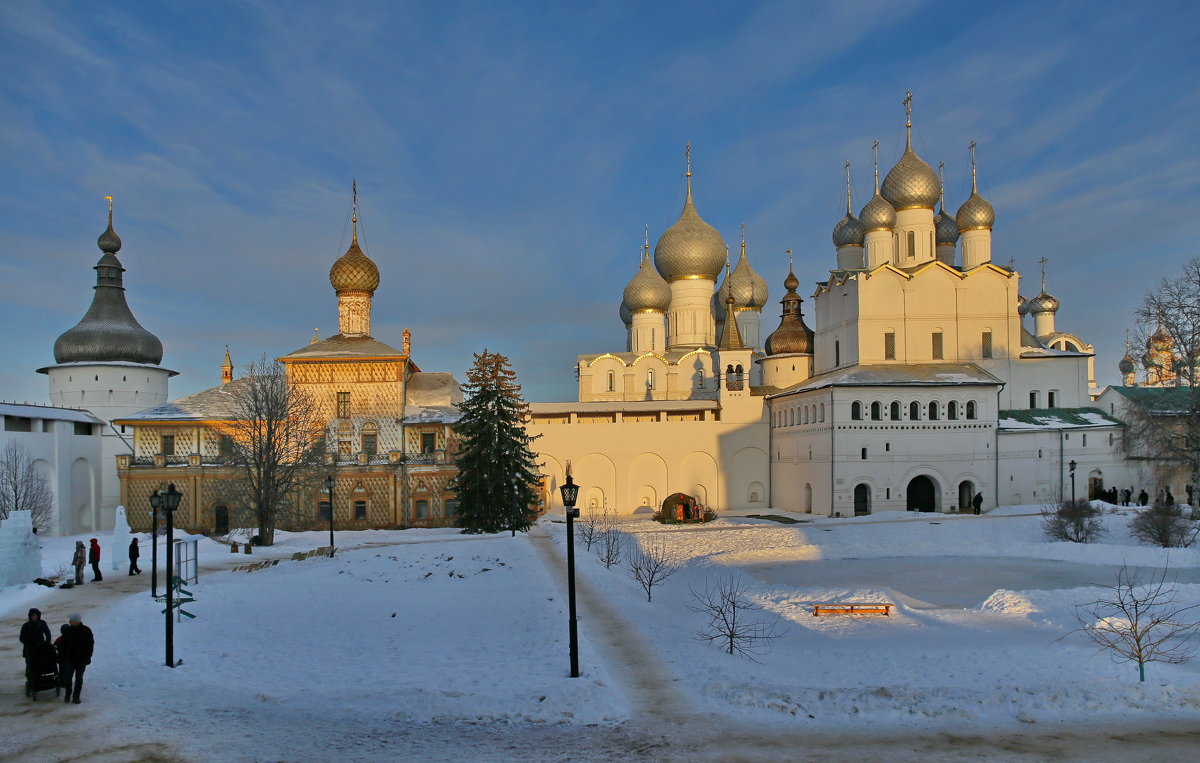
(94, 560)
(78, 561)
(977, 502)
(75, 654)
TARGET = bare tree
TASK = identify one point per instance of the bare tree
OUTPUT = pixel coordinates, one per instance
(610, 543)
(650, 563)
(1164, 424)
(590, 526)
(1165, 526)
(24, 488)
(1136, 622)
(276, 443)
(730, 625)
(1074, 521)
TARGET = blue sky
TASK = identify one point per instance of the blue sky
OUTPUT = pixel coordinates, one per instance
(508, 155)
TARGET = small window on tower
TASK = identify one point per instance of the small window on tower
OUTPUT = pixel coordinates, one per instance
(912, 245)
(938, 352)
(343, 405)
(837, 352)
(987, 344)
(889, 345)
(612, 381)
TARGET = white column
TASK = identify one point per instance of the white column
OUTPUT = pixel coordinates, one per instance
(879, 248)
(976, 248)
(918, 222)
(850, 257)
(647, 333)
(689, 319)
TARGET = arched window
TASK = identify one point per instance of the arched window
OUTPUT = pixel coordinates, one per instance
(856, 411)
(914, 411)
(876, 411)
(805, 412)
(650, 379)
(933, 411)
(822, 412)
(894, 413)
(700, 379)
(612, 382)
(952, 410)
(970, 409)
(741, 376)
(791, 416)
(864, 454)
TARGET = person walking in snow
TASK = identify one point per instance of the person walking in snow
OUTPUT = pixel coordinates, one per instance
(34, 631)
(1170, 498)
(134, 553)
(78, 561)
(977, 502)
(94, 560)
(75, 653)
(1142, 497)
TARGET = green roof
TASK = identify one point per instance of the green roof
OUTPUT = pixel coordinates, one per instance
(1056, 418)
(1177, 400)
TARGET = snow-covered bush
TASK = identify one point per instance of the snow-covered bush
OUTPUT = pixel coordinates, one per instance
(1164, 526)
(1074, 521)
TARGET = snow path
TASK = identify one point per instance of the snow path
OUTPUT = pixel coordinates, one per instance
(648, 684)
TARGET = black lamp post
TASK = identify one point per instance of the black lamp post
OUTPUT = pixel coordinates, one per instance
(570, 494)
(329, 487)
(1072, 466)
(155, 502)
(170, 502)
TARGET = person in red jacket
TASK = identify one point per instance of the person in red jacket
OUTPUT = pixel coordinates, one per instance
(94, 560)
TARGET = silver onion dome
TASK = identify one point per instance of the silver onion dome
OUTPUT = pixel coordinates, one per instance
(626, 314)
(848, 232)
(878, 214)
(108, 331)
(946, 228)
(1022, 305)
(691, 248)
(647, 290)
(1043, 303)
(975, 214)
(912, 183)
(748, 289)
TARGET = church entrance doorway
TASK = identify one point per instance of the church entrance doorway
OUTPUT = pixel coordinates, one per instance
(966, 493)
(922, 494)
(220, 519)
(1095, 484)
(862, 499)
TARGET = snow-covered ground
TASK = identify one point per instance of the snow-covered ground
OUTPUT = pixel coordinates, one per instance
(435, 645)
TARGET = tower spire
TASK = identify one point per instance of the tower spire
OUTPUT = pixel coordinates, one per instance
(942, 187)
(974, 185)
(875, 153)
(849, 209)
(908, 120)
(1042, 262)
(226, 368)
(646, 243)
(687, 155)
(354, 213)
(743, 244)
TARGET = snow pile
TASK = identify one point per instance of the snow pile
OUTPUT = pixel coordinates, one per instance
(1005, 602)
(20, 554)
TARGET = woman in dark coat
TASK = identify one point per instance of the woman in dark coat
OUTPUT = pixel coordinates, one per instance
(34, 631)
(134, 553)
(94, 560)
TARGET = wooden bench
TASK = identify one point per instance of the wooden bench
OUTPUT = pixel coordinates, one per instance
(852, 609)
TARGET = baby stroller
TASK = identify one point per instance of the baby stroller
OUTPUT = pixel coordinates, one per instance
(41, 670)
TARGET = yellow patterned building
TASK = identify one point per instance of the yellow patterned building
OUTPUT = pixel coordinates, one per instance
(390, 429)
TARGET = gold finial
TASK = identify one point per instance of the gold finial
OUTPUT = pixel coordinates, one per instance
(687, 153)
(354, 213)
(743, 240)
(908, 119)
(315, 338)
(875, 152)
(728, 285)
(974, 186)
(789, 254)
(942, 185)
(109, 210)
(1042, 262)
(849, 209)
(646, 243)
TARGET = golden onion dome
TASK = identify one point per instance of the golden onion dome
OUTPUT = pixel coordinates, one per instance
(912, 183)
(354, 270)
(1160, 340)
(975, 214)
(848, 232)
(647, 290)
(1126, 366)
(1043, 303)
(878, 214)
(691, 248)
(946, 228)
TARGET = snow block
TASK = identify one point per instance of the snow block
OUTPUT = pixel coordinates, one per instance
(119, 548)
(20, 551)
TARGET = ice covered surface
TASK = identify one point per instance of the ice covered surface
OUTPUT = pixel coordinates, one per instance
(19, 550)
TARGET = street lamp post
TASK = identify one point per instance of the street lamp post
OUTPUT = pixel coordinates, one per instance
(155, 502)
(1072, 466)
(329, 487)
(170, 502)
(570, 493)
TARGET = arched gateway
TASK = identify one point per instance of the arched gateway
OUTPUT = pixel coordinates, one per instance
(922, 494)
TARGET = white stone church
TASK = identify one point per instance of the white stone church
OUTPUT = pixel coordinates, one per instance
(919, 388)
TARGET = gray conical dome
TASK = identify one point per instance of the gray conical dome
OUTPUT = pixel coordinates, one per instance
(748, 289)
(946, 227)
(848, 232)
(108, 331)
(647, 290)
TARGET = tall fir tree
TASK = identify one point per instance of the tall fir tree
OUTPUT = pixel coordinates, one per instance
(496, 469)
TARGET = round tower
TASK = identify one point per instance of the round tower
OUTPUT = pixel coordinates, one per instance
(109, 365)
(689, 256)
(354, 278)
(790, 347)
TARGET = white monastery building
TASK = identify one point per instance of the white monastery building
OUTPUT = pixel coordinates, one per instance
(919, 388)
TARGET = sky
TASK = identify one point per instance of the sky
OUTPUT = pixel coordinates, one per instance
(507, 156)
